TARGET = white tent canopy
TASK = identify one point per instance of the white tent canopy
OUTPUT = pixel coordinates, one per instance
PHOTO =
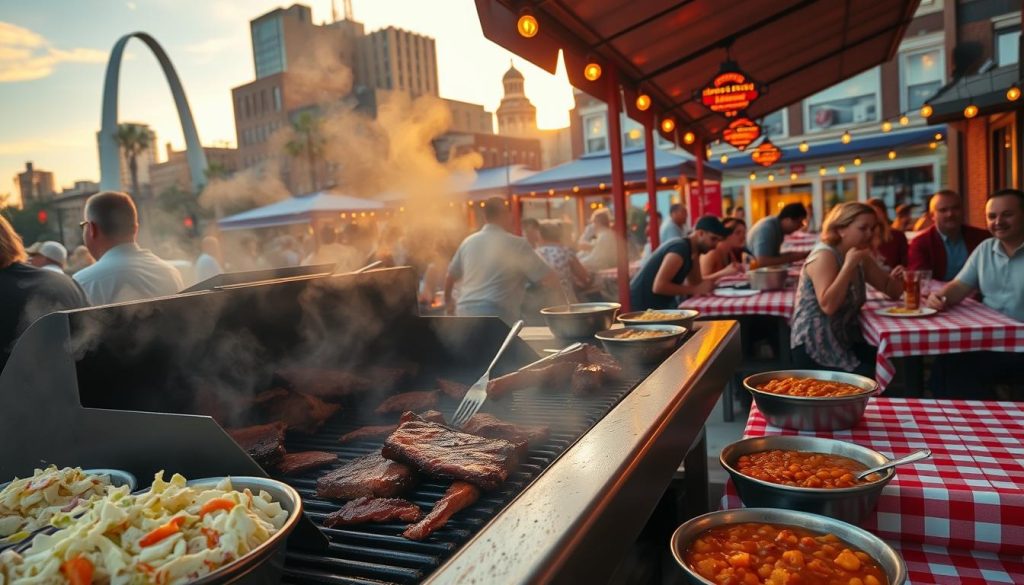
(298, 210)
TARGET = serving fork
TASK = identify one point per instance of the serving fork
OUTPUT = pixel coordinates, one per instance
(477, 393)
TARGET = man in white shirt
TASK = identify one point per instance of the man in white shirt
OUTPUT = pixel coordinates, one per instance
(602, 252)
(123, 271)
(675, 227)
(208, 263)
(48, 255)
(493, 267)
(330, 251)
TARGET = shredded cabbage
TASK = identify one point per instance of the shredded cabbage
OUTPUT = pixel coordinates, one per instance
(50, 497)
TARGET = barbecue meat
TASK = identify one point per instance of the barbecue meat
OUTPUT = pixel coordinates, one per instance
(492, 427)
(327, 384)
(588, 378)
(427, 415)
(368, 432)
(551, 375)
(409, 401)
(390, 377)
(452, 389)
(592, 355)
(441, 452)
(301, 412)
(367, 476)
(264, 443)
(363, 510)
(296, 463)
(459, 496)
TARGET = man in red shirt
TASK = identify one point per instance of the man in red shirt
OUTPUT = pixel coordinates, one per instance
(944, 247)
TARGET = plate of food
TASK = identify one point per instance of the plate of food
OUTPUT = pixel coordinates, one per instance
(905, 313)
(732, 292)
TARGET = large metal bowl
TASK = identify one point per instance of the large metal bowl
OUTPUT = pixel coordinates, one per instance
(890, 561)
(769, 278)
(642, 351)
(811, 414)
(680, 317)
(850, 504)
(580, 320)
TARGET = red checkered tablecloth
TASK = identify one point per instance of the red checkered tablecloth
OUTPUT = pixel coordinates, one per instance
(969, 326)
(800, 242)
(968, 496)
(934, 564)
(777, 303)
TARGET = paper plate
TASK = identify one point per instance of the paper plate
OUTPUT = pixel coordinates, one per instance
(902, 313)
(735, 292)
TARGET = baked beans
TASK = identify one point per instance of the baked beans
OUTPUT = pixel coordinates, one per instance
(810, 387)
(803, 469)
(752, 553)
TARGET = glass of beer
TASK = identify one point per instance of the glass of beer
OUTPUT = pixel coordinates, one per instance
(912, 290)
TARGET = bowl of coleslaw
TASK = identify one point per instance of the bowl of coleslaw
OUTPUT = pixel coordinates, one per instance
(212, 530)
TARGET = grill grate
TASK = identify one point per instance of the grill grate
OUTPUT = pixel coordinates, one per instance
(377, 553)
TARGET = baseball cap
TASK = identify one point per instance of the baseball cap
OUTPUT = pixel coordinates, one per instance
(54, 251)
(712, 224)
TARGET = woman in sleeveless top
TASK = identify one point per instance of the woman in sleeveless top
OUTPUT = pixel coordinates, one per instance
(725, 259)
(825, 330)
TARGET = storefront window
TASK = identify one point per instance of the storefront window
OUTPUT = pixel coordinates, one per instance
(836, 191)
(854, 101)
(774, 124)
(1004, 153)
(922, 77)
(595, 132)
(1008, 46)
(913, 186)
(731, 198)
(632, 135)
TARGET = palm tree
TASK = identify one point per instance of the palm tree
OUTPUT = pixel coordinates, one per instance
(133, 140)
(308, 141)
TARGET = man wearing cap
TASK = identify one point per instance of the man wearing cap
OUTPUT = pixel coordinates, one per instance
(673, 269)
(48, 255)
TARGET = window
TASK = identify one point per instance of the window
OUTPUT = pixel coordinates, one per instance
(774, 124)
(632, 134)
(836, 191)
(595, 132)
(912, 186)
(1008, 45)
(854, 101)
(1004, 152)
(267, 47)
(277, 99)
(921, 75)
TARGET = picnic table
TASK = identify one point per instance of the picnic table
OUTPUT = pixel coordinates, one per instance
(957, 517)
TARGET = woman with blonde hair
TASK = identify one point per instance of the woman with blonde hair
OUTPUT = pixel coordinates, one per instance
(27, 292)
(831, 291)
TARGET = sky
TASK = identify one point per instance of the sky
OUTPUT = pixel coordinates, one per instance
(53, 57)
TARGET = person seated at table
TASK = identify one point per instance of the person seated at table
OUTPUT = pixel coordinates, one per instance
(944, 247)
(573, 276)
(830, 293)
(996, 270)
(727, 256)
(904, 221)
(890, 245)
(669, 272)
(765, 239)
(601, 252)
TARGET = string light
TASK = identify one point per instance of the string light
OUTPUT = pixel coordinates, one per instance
(926, 111)
(1013, 94)
(970, 111)
(707, 151)
(892, 155)
(723, 159)
(857, 161)
(753, 176)
(575, 188)
(601, 186)
(886, 126)
(803, 147)
(822, 171)
(938, 136)
(668, 125)
(842, 169)
(566, 198)
(771, 178)
(551, 191)
(592, 71)
(904, 120)
(527, 24)
(689, 137)
(933, 145)
(664, 180)
(793, 176)
(643, 101)
(846, 138)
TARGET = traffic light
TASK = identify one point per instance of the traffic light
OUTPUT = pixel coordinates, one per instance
(189, 223)
(42, 216)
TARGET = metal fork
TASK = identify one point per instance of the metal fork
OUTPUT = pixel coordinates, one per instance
(477, 393)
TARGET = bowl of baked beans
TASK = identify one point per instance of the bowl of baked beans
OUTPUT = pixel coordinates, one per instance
(767, 545)
(809, 474)
(811, 400)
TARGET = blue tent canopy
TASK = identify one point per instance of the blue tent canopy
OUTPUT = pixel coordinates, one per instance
(495, 181)
(298, 210)
(592, 169)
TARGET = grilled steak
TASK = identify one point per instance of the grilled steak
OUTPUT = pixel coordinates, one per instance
(264, 443)
(552, 375)
(367, 476)
(296, 463)
(459, 496)
(427, 415)
(409, 401)
(301, 412)
(492, 427)
(588, 378)
(592, 355)
(363, 510)
(441, 452)
(328, 384)
(379, 431)
(452, 389)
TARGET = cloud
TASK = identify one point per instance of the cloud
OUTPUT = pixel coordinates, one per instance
(209, 49)
(26, 55)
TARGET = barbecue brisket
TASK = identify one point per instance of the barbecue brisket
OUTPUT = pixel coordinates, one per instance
(459, 496)
(409, 401)
(301, 412)
(492, 427)
(264, 443)
(296, 463)
(550, 376)
(367, 476)
(363, 510)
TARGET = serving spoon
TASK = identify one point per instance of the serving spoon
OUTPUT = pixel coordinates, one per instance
(915, 456)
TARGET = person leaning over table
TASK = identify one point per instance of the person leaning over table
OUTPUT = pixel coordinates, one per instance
(831, 291)
(996, 270)
(669, 272)
(944, 247)
(727, 256)
(764, 240)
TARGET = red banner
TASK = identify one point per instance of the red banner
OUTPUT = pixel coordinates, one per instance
(710, 205)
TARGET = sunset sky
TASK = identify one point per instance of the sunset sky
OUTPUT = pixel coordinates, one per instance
(53, 56)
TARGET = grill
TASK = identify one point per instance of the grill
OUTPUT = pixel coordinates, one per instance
(121, 381)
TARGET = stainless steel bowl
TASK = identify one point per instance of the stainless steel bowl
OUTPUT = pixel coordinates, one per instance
(812, 414)
(890, 561)
(769, 278)
(645, 350)
(580, 320)
(680, 317)
(850, 504)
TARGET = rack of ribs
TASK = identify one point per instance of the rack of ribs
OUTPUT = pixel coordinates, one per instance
(409, 401)
(296, 463)
(442, 452)
(367, 476)
(362, 510)
(551, 375)
(459, 496)
(264, 443)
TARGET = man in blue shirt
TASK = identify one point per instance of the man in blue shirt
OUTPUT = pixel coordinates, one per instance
(765, 238)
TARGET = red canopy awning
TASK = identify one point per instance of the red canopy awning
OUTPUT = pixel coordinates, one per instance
(672, 48)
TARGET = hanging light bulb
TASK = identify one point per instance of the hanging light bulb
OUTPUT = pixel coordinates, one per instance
(886, 126)
(822, 171)
(723, 159)
(753, 176)
(857, 161)
(926, 111)
(846, 138)
(793, 176)
(592, 71)
(892, 155)
(689, 137)
(842, 169)
(771, 178)
(643, 101)
(904, 120)
(933, 145)
(1013, 94)
(803, 147)
(601, 186)
(668, 125)
(575, 188)
(527, 24)
(970, 111)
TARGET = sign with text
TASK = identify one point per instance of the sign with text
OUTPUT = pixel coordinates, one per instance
(766, 154)
(741, 132)
(730, 92)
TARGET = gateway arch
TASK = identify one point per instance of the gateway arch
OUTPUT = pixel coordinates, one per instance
(110, 156)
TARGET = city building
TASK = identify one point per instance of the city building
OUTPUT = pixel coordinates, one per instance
(469, 118)
(67, 210)
(396, 59)
(173, 173)
(517, 118)
(495, 150)
(284, 38)
(34, 184)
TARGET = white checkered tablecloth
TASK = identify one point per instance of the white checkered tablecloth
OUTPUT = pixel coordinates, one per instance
(969, 326)
(957, 517)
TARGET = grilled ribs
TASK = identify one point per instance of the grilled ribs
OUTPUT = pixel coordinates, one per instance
(452, 389)
(551, 375)
(459, 496)
(588, 378)
(362, 510)
(296, 463)
(301, 412)
(379, 431)
(367, 476)
(492, 427)
(441, 452)
(264, 443)
(409, 401)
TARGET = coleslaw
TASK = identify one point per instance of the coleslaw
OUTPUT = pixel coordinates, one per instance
(50, 497)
